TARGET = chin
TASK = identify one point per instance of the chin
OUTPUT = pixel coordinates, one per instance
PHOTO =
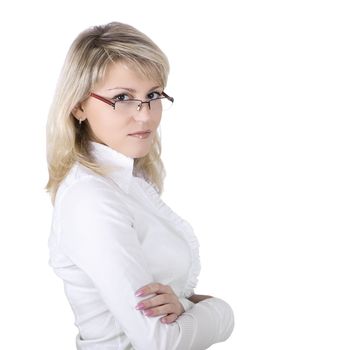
(140, 153)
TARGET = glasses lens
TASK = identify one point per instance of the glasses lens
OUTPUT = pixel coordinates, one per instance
(130, 106)
(160, 105)
(127, 107)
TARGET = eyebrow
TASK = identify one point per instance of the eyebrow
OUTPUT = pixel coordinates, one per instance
(130, 89)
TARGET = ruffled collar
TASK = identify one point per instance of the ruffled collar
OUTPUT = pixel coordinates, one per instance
(185, 230)
(120, 167)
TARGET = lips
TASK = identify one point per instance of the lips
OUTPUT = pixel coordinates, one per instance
(141, 134)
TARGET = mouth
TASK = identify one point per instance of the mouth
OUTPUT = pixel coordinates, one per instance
(141, 134)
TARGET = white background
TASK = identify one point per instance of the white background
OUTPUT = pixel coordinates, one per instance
(256, 150)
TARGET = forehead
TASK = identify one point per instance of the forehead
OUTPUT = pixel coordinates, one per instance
(122, 74)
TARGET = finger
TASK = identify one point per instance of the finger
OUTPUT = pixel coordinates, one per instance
(157, 300)
(169, 319)
(159, 310)
(154, 287)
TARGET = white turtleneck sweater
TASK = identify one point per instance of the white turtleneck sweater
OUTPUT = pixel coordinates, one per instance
(111, 235)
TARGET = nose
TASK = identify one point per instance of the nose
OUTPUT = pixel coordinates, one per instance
(143, 111)
(141, 104)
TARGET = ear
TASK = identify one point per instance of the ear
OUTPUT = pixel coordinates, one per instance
(78, 112)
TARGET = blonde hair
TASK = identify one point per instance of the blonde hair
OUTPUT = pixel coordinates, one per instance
(92, 51)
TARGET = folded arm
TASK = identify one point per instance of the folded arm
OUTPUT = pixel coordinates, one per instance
(97, 234)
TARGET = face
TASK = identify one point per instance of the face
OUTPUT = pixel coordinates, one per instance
(114, 128)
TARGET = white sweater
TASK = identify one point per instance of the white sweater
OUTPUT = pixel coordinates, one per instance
(111, 235)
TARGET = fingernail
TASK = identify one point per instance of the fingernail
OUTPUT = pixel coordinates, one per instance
(148, 312)
(139, 292)
(140, 306)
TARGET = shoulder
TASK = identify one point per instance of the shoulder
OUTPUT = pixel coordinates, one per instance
(83, 185)
(87, 204)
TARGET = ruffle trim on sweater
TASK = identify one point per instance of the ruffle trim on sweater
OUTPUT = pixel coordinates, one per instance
(186, 230)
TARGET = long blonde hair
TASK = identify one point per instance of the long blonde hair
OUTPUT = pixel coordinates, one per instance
(85, 65)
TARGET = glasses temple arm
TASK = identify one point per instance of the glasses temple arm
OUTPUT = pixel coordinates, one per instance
(168, 97)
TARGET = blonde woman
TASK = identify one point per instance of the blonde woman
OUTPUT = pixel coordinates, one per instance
(129, 264)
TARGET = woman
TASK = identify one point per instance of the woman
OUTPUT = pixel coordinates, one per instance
(128, 262)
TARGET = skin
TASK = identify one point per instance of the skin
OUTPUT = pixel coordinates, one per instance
(113, 129)
(164, 302)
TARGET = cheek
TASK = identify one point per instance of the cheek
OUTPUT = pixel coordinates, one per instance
(104, 124)
(157, 121)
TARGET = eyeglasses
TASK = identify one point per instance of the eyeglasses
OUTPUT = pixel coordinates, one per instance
(155, 105)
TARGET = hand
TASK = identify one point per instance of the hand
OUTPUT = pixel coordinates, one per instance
(165, 302)
(196, 298)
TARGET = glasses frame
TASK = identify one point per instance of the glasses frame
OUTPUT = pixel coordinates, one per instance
(113, 103)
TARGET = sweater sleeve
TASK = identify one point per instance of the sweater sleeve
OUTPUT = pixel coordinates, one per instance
(97, 234)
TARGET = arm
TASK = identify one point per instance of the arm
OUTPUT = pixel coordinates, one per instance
(97, 234)
(166, 301)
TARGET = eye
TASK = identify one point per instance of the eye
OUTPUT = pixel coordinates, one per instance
(153, 95)
(121, 97)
